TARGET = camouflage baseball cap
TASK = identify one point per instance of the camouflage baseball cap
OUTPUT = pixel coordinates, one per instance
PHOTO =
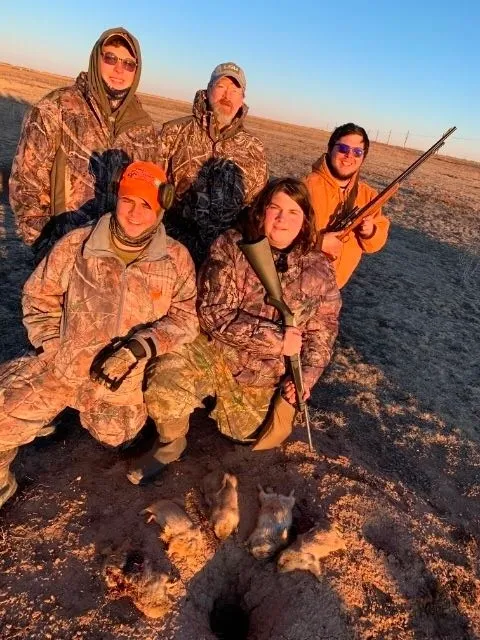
(231, 70)
(123, 35)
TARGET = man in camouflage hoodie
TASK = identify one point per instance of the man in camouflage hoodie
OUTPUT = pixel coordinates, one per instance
(217, 166)
(106, 300)
(75, 138)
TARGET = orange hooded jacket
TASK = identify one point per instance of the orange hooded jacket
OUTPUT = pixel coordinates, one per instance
(326, 196)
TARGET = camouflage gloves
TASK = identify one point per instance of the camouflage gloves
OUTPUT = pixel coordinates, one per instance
(115, 361)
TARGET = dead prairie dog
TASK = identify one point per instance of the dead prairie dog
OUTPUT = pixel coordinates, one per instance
(129, 573)
(273, 524)
(170, 516)
(224, 514)
(153, 595)
(306, 552)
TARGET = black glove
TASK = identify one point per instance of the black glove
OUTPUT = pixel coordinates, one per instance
(115, 362)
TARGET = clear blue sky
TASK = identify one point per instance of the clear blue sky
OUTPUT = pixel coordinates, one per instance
(400, 66)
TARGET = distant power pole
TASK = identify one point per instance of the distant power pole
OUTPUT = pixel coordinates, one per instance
(389, 134)
(376, 137)
(406, 138)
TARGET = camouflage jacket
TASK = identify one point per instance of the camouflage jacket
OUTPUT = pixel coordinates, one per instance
(215, 174)
(82, 295)
(233, 312)
(65, 159)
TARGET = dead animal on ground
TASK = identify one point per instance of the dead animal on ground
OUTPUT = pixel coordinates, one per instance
(223, 501)
(307, 551)
(170, 516)
(273, 524)
(178, 532)
(130, 574)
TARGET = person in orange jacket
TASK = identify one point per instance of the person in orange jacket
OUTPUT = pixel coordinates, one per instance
(334, 185)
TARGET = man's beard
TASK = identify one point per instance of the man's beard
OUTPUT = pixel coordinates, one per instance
(223, 119)
(337, 175)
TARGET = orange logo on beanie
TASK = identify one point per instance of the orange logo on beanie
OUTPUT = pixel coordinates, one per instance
(145, 171)
(137, 173)
(143, 179)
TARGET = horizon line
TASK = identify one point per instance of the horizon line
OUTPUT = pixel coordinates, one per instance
(251, 115)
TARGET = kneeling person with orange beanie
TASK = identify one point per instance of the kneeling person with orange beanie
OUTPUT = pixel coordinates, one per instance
(107, 299)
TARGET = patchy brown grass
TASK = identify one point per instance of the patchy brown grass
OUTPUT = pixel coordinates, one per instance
(395, 427)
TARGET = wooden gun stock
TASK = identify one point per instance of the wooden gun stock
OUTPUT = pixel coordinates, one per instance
(349, 220)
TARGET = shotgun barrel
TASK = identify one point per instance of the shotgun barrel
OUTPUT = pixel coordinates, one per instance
(348, 220)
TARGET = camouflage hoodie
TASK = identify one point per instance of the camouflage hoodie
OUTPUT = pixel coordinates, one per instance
(215, 174)
(233, 312)
(70, 145)
(82, 295)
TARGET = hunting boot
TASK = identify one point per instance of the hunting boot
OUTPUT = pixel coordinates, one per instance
(277, 426)
(8, 484)
(149, 466)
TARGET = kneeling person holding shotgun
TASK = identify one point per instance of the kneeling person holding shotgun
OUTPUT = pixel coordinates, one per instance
(240, 358)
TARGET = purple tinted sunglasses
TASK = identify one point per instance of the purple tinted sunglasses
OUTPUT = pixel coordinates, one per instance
(345, 148)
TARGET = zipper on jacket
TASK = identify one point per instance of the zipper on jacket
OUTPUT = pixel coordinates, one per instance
(104, 124)
(122, 300)
(123, 281)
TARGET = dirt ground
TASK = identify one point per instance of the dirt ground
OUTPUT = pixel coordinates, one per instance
(395, 428)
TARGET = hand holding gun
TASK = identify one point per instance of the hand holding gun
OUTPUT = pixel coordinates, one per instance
(347, 221)
(259, 255)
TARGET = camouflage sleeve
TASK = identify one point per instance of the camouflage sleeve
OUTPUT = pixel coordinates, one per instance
(146, 145)
(180, 324)
(321, 330)
(29, 184)
(258, 176)
(220, 305)
(44, 292)
(166, 141)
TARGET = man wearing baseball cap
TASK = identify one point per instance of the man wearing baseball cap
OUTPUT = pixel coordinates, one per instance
(216, 166)
(106, 300)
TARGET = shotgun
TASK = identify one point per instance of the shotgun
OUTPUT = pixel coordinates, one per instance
(347, 221)
(259, 256)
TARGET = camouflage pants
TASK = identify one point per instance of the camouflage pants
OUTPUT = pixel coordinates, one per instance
(179, 382)
(31, 395)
